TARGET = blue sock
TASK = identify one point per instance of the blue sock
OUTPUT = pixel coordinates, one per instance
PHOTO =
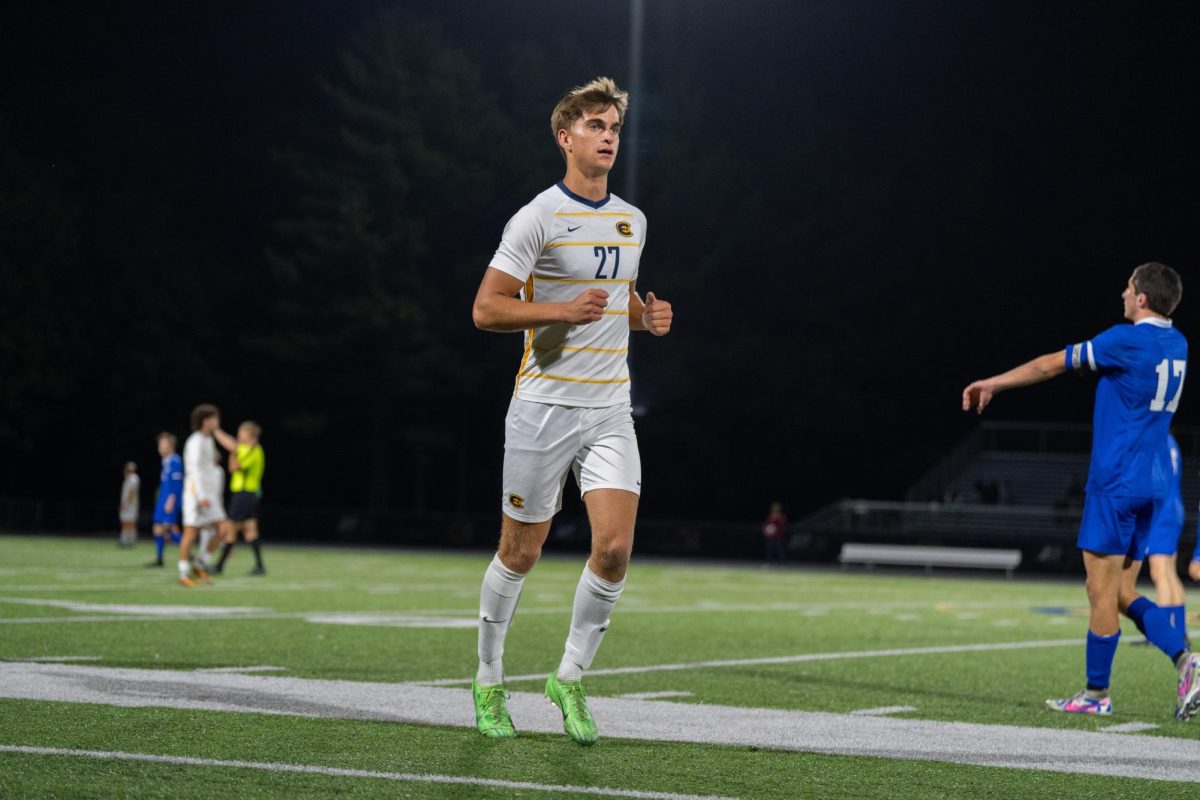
(1156, 622)
(1100, 652)
(1178, 620)
(176, 536)
(159, 542)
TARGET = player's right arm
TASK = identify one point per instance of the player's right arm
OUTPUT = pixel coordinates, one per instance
(978, 394)
(497, 307)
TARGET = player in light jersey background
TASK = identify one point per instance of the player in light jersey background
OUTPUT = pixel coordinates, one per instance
(1142, 368)
(203, 487)
(572, 255)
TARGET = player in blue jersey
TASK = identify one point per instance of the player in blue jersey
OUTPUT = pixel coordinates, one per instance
(1141, 368)
(170, 497)
(1161, 547)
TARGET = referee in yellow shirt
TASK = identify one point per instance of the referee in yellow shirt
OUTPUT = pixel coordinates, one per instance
(246, 468)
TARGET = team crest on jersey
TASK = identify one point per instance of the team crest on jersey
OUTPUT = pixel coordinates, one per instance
(516, 501)
(625, 229)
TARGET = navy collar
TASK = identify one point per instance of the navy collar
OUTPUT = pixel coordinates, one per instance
(584, 200)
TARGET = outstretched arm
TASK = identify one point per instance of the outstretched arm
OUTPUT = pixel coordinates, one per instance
(225, 440)
(497, 307)
(978, 394)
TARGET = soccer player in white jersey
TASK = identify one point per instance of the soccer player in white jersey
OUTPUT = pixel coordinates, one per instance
(572, 255)
(203, 484)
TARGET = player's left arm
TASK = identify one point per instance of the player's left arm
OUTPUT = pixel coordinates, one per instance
(225, 440)
(653, 315)
(978, 394)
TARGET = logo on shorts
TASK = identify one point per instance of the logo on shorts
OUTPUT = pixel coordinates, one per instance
(515, 500)
(625, 229)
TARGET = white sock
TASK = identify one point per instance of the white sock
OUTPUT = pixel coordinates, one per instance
(594, 601)
(497, 603)
(184, 568)
(206, 535)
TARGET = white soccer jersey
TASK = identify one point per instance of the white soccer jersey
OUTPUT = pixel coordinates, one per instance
(202, 478)
(559, 245)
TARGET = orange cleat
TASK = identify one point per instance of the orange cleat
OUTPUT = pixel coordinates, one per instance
(188, 582)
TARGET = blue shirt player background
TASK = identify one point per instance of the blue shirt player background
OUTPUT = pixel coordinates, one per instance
(1142, 369)
(170, 483)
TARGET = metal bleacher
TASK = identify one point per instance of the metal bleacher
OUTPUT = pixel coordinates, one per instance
(1010, 485)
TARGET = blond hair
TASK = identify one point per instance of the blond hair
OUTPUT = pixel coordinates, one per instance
(597, 95)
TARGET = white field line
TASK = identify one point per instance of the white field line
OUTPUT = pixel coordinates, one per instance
(796, 659)
(882, 711)
(653, 695)
(1129, 727)
(316, 769)
(1019, 747)
(141, 609)
(236, 670)
(56, 659)
(456, 617)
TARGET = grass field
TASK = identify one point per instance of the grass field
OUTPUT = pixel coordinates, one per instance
(344, 673)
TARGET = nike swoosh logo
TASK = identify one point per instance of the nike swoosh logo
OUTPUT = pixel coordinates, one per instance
(572, 230)
(492, 621)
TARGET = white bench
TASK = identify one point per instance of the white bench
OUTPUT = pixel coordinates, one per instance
(912, 555)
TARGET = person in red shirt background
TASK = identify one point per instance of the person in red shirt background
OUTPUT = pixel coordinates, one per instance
(774, 532)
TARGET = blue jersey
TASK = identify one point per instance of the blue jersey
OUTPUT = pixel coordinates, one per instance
(170, 481)
(1142, 369)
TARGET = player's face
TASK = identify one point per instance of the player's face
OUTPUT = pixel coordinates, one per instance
(594, 139)
(210, 424)
(1130, 296)
(164, 447)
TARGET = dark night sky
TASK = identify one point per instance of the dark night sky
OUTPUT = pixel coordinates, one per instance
(856, 208)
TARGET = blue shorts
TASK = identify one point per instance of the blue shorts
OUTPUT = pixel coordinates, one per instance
(1117, 526)
(161, 517)
(1165, 530)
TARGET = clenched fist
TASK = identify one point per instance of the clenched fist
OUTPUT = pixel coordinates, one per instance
(587, 307)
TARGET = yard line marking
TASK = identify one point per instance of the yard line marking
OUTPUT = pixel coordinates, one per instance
(653, 695)
(1129, 727)
(1085, 752)
(393, 620)
(337, 772)
(882, 711)
(139, 610)
(56, 659)
(797, 659)
(236, 670)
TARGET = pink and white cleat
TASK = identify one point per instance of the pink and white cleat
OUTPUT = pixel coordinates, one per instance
(1082, 704)
(1187, 701)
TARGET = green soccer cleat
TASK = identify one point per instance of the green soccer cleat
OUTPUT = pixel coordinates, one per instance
(491, 711)
(572, 702)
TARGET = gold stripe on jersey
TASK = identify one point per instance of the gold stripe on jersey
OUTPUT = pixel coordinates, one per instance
(620, 313)
(528, 338)
(581, 280)
(553, 245)
(612, 351)
(592, 214)
(550, 377)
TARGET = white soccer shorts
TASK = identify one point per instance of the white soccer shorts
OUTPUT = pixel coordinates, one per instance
(196, 517)
(542, 442)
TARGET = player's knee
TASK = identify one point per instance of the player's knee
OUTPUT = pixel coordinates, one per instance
(520, 556)
(611, 559)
